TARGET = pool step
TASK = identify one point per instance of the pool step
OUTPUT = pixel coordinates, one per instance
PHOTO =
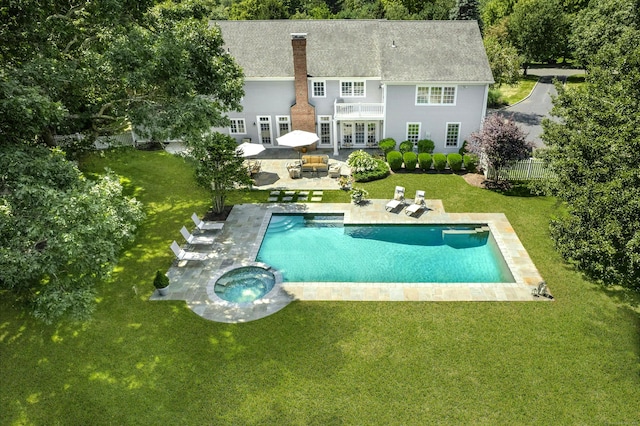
(465, 238)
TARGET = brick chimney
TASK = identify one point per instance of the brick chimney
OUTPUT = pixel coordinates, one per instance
(303, 114)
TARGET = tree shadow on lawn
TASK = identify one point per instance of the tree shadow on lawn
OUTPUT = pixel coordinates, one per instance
(509, 188)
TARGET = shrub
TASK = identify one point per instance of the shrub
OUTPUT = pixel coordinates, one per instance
(455, 162)
(161, 280)
(380, 172)
(387, 145)
(410, 159)
(406, 146)
(394, 158)
(463, 148)
(494, 99)
(439, 162)
(360, 161)
(470, 162)
(426, 145)
(358, 195)
(424, 160)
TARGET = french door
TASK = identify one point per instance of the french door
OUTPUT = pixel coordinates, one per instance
(265, 133)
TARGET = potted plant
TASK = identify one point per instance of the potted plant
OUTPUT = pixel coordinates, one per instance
(358, 195)
(161, 282)
(345, 182)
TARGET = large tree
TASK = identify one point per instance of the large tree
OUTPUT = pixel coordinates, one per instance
(539, 30)
(594, 150)
(97, 66)
(60, 234)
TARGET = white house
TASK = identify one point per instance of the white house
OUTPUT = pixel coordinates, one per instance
(354, 82)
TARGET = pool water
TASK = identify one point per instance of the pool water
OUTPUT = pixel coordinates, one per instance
(320, 248)
(244, 284)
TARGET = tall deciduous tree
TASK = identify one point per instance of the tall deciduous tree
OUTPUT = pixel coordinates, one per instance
(60, 234)
(539, 30)
(499, 143)
(504, 60)
(465, 10)
(218, 166)
(594, 149)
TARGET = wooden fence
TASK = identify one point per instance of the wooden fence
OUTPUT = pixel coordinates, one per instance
(531, 169)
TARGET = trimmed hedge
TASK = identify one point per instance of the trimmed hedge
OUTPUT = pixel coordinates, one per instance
(424, 160)
(410, 160)
(380, 172)
(406, 146)
(470, 162)
(439, 161)
(426, 146)
(387, 145)
(455, 162)
(394, 158)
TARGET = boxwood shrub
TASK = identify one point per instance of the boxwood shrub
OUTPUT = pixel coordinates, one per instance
(380, 172)
(394, 158)
(406, 146)
(424, 161)
(387, 145)
(426, 145)
(439, 161)
(410, 160)
(470, 162)
(455, 162)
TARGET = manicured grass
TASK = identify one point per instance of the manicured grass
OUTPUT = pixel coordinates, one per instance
(575, 80)
(572, 361)
(517, 92)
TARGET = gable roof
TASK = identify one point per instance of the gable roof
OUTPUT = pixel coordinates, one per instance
(425, 51)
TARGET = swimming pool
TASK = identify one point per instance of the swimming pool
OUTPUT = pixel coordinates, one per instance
(320, 248)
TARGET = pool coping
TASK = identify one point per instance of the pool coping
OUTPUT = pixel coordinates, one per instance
(239, 242)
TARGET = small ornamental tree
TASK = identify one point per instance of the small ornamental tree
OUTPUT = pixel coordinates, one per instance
(500, 142)
(219, 168)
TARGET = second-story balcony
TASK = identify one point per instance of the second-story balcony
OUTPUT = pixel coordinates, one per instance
(358, 111)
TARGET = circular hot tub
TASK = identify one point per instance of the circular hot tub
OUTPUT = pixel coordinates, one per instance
(244, 284)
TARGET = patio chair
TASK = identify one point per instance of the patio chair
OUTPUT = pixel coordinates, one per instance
(186, 255)
(196, 239)
(417, 205)
(398, 199)
(206, 226)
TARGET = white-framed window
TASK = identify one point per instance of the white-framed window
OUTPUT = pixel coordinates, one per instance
(264, 136)
(324, 129)
(435, 95)
(237, 127)
(319, 90)
(284, 124)
(347, 134)
(352, 89)
(453, 134)
(413, 132)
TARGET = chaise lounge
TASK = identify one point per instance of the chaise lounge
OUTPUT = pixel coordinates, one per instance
(196, 239)
(417, 205)
(186, 255)
(398, 199)
(206, 226)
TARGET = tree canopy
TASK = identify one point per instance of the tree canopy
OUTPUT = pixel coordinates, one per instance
(594, 149)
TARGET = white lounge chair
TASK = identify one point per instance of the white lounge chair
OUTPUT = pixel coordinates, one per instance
(206, 226)
(196, 239)
(417, 205)
(186, 255)
(398, 199)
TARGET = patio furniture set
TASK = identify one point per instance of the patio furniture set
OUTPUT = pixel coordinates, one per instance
(399, 201)
(204, 239)
(314, 164)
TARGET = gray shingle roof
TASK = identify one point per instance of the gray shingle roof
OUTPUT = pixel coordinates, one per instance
(426, 51)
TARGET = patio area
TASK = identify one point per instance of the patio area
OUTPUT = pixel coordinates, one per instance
(238, 244)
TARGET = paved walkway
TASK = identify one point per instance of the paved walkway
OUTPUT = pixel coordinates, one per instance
(238, 244)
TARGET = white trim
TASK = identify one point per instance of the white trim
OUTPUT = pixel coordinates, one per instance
(353, 80)
(446, 134)
(406, 133)
(313, 88)
(484, 105)
(238, 120)
(268, 121)
(442, 95)
(287, 121)
(269, 79)
(436, 83)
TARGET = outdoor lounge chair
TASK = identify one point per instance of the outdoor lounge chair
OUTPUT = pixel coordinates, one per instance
(196, 239)
(418, 204)
(206, 226)
(398, 199)
(186, 255)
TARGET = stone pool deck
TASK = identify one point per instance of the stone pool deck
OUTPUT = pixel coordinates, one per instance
(238, 244)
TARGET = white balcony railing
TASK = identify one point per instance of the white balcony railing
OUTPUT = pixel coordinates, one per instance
(358, 110)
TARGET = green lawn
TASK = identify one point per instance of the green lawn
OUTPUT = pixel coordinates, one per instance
(572, 361)
(512, 93)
